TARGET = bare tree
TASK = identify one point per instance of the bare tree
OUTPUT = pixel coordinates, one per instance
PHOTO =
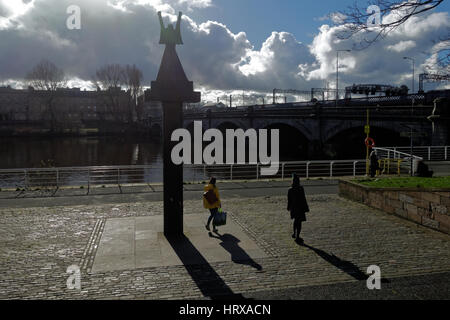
(355, 21)
(109, 76)
(48, 78)
(112, 79)
(133, 79)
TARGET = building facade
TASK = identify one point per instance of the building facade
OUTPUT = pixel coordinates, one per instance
(68, 109)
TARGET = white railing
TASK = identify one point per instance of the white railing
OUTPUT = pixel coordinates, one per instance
(305, 169)
(87, 177)
(427, 153)
(398, 160)
(394, 154)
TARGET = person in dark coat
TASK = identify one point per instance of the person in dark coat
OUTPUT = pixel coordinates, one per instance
(423, 170)
(373, 163)
(297, 206)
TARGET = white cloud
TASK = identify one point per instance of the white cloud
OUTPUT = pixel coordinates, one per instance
(127, 32)
(10, 11)
(196, 3)
(14, 8)
(402, 46)
(382, 61)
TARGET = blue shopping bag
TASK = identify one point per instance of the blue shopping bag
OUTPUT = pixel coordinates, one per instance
(220, 218)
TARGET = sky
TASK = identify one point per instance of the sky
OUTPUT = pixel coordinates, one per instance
(258, 18)
(229, 45)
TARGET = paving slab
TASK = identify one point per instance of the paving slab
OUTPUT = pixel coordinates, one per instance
(139, 242)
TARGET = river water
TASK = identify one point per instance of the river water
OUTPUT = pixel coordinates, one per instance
(24, 152)
(20, 152)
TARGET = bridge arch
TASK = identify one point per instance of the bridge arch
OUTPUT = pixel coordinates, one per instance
(294, 144)
(337, 126)
(189, 125)
(156, 131)
(349, 143)
(229, 124)
(300, 125)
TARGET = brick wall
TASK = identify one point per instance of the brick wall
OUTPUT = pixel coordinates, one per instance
(430, 208)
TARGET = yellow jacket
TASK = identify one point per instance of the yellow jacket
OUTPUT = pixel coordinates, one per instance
(206, 204)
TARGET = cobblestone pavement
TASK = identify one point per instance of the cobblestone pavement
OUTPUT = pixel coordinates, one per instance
(342, 239)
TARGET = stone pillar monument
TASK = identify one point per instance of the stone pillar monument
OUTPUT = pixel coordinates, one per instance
(172, 88)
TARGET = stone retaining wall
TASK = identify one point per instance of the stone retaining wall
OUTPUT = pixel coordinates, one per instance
(430, 208)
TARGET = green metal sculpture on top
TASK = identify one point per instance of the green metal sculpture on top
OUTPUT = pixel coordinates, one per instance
(171, 83)
(170, 35)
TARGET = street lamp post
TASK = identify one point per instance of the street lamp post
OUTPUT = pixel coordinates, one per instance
(412, 112)
(337, 73)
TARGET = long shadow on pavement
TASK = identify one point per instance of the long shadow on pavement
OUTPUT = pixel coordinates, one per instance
(346, 266)
(208, 281)
(238, 255)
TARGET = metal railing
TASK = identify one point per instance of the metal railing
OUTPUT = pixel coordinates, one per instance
(396, 161)
(305, 169)
(88, 177)
(427, 153)
(394, 154)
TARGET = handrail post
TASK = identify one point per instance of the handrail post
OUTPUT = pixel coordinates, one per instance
(89, 180)
(25, 180)
(257, 171)
(429, 153)
(282, 171)
(307, 169)
(445, 152)
(118, 180)
(354, 168)
(231, 172)
(331, 169)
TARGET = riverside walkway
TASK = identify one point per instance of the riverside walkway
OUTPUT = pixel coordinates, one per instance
(41, 237)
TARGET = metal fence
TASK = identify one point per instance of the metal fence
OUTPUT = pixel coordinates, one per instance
(305, 169)
(87, 177)
(396, 161)
(391, 161)
(427, 153)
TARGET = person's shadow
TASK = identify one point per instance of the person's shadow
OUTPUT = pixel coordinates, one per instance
(238, 255)
(346, 266)
(206, 278)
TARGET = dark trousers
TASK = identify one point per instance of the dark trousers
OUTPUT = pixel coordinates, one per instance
(297, 227)
(373, 171)
(213, 212)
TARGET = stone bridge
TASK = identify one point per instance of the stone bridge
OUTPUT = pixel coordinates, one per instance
(318, 130)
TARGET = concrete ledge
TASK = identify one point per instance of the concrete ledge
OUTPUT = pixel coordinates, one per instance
(430, 207)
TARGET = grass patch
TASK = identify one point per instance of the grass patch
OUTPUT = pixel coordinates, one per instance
(406, 182)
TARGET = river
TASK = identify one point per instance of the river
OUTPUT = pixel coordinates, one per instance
(39, 152)
(21, 152)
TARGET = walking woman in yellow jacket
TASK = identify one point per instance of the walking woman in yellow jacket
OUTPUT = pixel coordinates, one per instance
(211, 201)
